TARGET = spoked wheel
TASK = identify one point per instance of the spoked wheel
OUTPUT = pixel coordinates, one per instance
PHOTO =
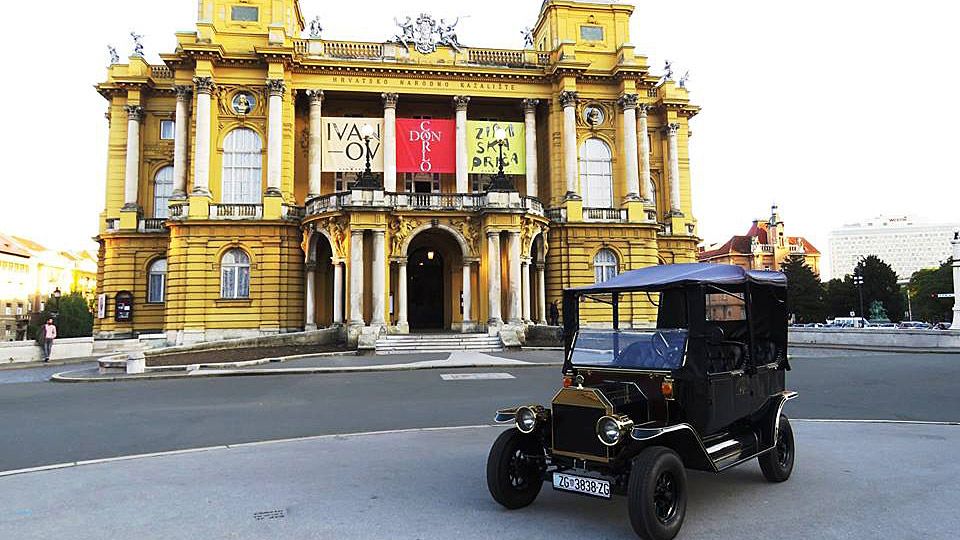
(777, 464)
(657, 494)
(515, 469)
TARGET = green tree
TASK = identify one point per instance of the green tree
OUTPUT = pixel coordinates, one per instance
(74, 318)
(880, 284)
(924, 287)
(840, 297)
(805, 292)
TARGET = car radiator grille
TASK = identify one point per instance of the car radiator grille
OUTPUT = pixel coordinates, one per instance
(575, 430)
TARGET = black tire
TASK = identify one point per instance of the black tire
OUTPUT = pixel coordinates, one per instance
(514, 480)
(777, 464)
(657, 493)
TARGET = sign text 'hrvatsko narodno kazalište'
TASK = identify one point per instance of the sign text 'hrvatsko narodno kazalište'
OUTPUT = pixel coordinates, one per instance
(423, 146)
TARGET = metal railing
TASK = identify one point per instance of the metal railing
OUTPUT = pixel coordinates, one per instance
(615, 215)
(236, 211)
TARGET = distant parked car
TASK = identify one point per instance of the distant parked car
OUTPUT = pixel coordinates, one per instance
(942, 326)
(850, 322)
(914, 325)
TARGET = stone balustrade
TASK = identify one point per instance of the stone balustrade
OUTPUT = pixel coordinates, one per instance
(389, 51)
(236, 211)
(424, 201)
(605, 215)
(152, 225)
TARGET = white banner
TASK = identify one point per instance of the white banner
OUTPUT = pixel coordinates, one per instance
(101, 306)
(344, 149)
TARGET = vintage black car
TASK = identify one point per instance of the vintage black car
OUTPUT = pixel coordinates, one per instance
(703, 390)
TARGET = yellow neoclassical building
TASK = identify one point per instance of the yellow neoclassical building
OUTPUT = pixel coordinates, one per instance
(261, 182)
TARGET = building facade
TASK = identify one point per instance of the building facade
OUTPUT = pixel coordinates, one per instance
(235, 205)
(905, 243)
(764, 247)
(29, 275)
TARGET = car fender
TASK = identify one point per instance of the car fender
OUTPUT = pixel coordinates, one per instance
(770, 421)
(682, 439)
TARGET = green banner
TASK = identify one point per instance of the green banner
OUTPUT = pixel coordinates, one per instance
(482, 151)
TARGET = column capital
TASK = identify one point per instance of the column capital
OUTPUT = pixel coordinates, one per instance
(530, 105)
(628, 102)
(276, 87)
(671, 129)
(203, 85)
(134, 112)
(389, 100)
(461, 102)
(183, 92)
(568, 98)
(642, 109)
(315, 95)
(540, 267)
(492, 233)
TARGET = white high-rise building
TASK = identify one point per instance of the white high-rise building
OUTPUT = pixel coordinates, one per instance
(905, 243)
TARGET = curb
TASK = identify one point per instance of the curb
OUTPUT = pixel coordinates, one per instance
(891, 350)
(65, 377)
(247, 363)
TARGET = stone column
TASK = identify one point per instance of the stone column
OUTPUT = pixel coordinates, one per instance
(316, 136)
(644, 153)
(513, 293)
(525, 290)
(276, 89)
(356, 278)
(379, 279)
(673, 159)
(131, 183)
(468, 323)
(311, 322)
(389, 142)
(541, 294)
(203, 87)
(493, 278)
(956, 282)
(568, 100)
(402, 321)
(530, 127)
(180, 143)
(628, 106)
(337, 292)
(463, 171)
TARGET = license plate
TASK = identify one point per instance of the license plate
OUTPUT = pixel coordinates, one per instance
(582, 484)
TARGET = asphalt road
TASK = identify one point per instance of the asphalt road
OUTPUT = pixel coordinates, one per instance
(46, 423)
(850, 481)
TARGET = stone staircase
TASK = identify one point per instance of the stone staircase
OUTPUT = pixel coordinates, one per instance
(433, 343)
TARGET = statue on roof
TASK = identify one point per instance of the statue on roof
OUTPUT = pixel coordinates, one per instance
(667, 74)
(527, 37)
(114, 57)
(684, 79)
(315, 28)
(137, 44)
(448, 34)
(405, 37)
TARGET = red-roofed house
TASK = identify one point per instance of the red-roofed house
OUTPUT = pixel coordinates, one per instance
(765, 247)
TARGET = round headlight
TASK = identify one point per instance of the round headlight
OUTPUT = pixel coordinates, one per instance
(608, 430)
(526, 419)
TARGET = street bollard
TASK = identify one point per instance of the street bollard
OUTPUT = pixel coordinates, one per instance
(136, 363)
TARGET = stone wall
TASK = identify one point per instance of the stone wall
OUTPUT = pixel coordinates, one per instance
(28, 351)
(877, 339)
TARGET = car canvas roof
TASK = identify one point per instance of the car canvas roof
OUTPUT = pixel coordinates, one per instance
(668, 276)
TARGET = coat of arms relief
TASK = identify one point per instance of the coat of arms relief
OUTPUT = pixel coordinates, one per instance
(425, 33)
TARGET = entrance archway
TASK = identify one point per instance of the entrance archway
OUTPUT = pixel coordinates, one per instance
(434, 281)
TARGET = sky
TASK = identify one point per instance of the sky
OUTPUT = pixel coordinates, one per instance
(835, 110)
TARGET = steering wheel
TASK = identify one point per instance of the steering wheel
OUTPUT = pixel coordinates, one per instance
(659, 344)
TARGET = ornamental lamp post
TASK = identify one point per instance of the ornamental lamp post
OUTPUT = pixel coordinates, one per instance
(56, 295)
(499, 181)
(366, 180)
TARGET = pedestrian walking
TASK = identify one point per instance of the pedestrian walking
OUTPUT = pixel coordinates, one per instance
(554, 315)
(48, 333)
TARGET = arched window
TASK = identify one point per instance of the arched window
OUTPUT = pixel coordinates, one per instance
(242, 167)
(596, 174)
(235, 274)
(162, 190)
(157, 281)
(653, 191)
(605, 265)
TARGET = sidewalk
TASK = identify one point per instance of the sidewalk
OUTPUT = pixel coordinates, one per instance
(328, 363)
(52, 363)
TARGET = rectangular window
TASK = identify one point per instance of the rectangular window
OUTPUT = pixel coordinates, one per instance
(245, 13)
(167, 128)
(591, 33)
(155, 288)
(8, 310)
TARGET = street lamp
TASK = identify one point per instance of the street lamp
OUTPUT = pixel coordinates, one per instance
(57, 294)
(858, 281)
(499, 182)
(366, 180)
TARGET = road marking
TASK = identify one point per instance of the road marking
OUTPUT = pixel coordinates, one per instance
(72, 464)
(474, 376)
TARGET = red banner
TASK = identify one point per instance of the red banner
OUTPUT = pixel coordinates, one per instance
(426, 146)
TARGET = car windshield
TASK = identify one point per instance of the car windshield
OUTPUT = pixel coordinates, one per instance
(635, 349)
